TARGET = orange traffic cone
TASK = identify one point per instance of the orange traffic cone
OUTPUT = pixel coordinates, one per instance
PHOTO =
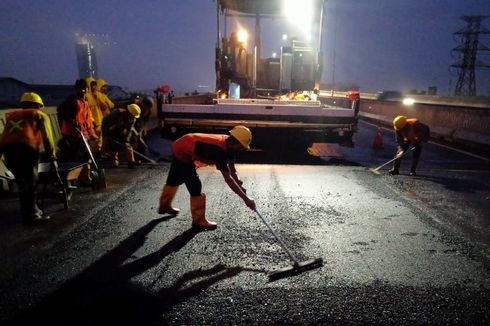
(378, 139)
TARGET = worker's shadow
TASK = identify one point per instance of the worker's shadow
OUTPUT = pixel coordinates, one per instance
(455, 184)
(108, 292)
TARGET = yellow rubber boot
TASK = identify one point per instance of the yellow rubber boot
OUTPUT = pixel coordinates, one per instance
(198, 208)
(168, 194)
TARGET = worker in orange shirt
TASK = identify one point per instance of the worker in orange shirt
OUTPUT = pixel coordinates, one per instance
(25, 131)
(196, 149)
(409, 131)
(76, 119)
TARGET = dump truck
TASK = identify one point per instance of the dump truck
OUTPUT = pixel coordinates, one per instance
(276, 97)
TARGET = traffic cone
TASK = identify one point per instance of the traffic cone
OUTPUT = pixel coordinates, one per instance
(378, 139)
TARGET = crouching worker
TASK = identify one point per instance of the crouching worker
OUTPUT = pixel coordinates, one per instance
(25, 131)
(188, 152)
(116, 133)
(409, 131)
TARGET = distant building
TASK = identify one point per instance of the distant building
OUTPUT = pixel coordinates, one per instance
(87, 61)
(432, 90)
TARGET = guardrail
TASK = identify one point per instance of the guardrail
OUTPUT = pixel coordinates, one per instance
(464, 101)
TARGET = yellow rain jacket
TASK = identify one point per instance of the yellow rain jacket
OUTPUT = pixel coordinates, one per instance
(94, 105)
(105, 104)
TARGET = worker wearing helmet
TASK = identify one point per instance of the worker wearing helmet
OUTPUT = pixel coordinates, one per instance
(116, 129)
(140, 133)
(196, 149)
(25, 130)
(409, 131)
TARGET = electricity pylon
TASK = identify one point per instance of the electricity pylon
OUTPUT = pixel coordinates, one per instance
(468, 49)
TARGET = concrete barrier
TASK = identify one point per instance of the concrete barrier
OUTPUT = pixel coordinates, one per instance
(453, 123)
(465, 121)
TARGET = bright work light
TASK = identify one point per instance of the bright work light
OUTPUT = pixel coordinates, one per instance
(242, 36)
(300, 13)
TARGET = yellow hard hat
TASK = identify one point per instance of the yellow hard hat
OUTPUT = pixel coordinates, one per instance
(243, 135)
(32, 97)
(399, 122)
(135, 110)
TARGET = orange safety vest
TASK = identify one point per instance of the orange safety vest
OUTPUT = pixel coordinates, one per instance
(84, 118)
(184, 148)
(415, 132)
(23, 126)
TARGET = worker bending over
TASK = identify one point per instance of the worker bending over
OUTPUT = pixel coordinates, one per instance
(192, 150)
(25, 131)
(409, 131)
(116, 133)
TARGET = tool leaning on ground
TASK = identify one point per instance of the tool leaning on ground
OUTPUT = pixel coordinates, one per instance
(376, 170)
(138, 153)
(297, 267)
(54, 167)
(98, 174)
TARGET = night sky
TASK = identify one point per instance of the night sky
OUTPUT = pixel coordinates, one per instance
(377, 44)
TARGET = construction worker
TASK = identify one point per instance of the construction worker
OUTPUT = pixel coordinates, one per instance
(76, 120)
(409, 131)
(193, 150)
(97, 115)
(25, 131)
(140, 132)
(105, 103)
(146, 104)
(116, 133)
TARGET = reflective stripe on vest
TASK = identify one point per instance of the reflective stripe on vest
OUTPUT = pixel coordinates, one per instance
(23, 126)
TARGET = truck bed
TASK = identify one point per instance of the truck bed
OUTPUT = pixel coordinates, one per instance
(301, 121)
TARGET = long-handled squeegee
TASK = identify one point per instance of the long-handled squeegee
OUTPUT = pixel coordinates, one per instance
(297, 267)
(376, 170)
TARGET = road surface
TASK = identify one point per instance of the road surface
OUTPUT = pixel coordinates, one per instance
(396, 250)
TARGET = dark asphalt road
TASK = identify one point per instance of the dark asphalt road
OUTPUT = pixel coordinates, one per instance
(397, 250)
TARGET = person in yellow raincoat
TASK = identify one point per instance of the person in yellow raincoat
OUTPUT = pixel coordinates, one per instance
(92, 98)
(105, 104)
